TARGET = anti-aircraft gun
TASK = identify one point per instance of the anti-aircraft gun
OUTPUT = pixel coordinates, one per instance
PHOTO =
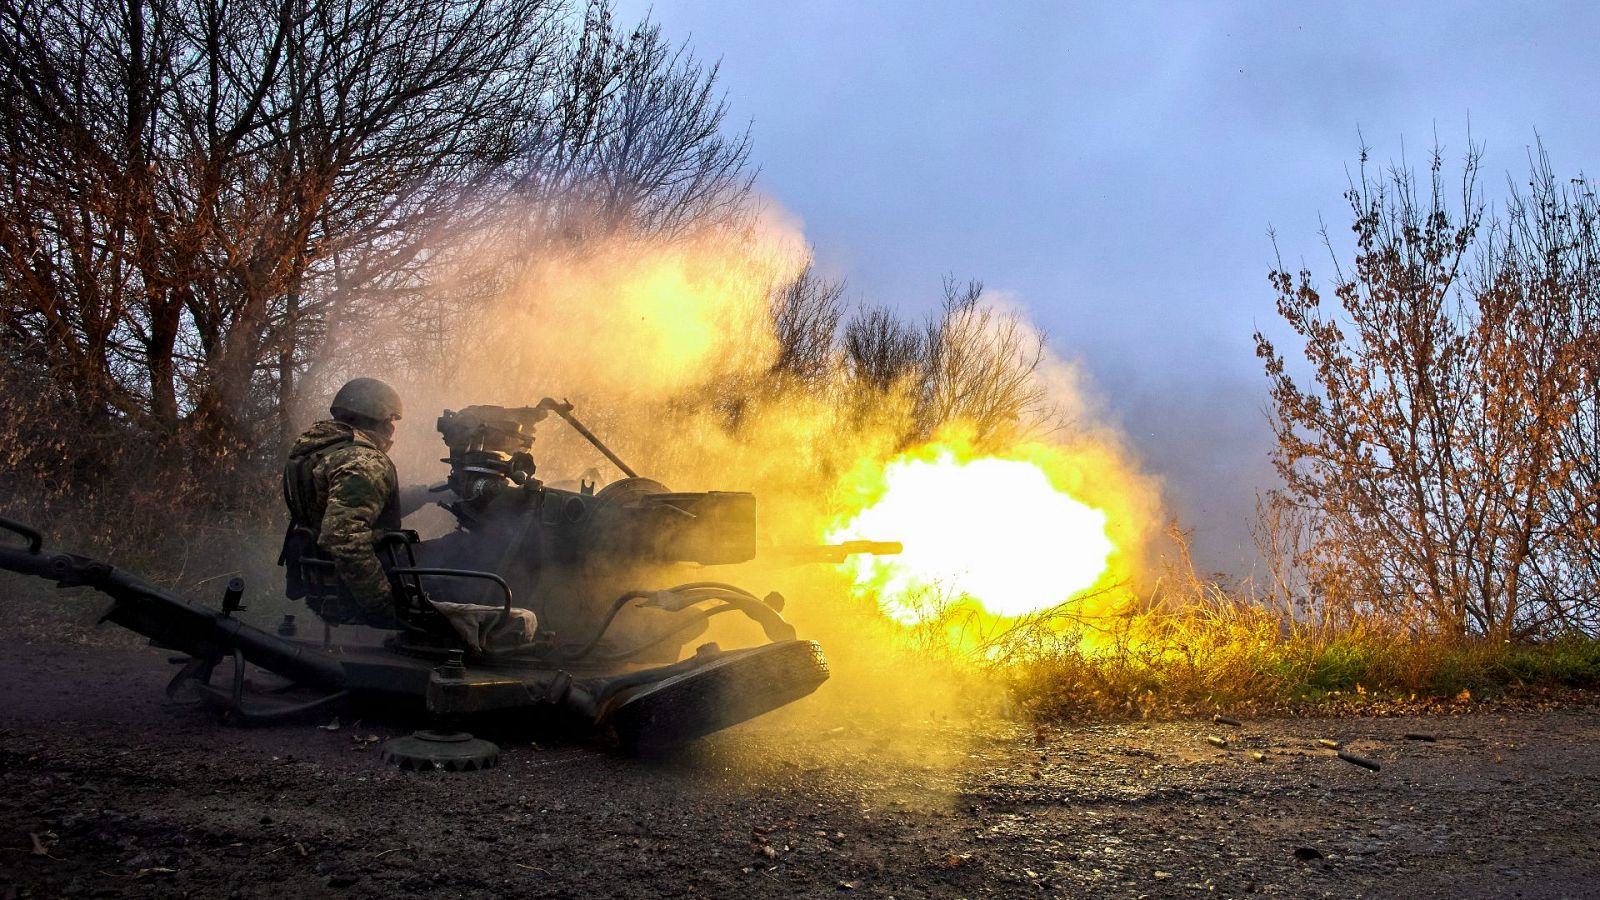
(595, 567)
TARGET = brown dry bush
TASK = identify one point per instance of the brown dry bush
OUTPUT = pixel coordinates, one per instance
(1439, 449)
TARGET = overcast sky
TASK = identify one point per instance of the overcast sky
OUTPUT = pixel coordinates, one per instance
(1115, 167)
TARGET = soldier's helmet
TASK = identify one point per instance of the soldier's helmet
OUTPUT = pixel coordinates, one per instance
(368, 398)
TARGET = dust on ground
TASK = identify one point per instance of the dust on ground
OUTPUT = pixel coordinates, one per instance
(106, 792)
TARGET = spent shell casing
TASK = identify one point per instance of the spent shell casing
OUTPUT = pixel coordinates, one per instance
(1329, 743)
(1419, 736)
(1258, 756)
(1361, 761)
(1215, 741)
(1224, 720)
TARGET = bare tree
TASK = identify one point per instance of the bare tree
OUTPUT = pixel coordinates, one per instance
(634, 139)
(624, 135)
(980, 367)
(969, 363)
(882, 350)
(805, 317)
(192, 185)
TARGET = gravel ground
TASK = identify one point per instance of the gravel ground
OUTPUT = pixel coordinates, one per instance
(105, 792)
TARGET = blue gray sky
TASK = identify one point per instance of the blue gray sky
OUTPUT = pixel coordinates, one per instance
(1116, 167)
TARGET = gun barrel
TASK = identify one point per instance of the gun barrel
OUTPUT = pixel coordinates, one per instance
(875, 548)
(831, 553)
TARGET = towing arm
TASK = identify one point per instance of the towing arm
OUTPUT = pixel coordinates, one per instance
(170, 621)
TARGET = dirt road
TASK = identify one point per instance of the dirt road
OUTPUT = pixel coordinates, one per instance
(103, 792)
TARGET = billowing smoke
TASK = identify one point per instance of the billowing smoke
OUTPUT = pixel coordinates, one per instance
(668, 350)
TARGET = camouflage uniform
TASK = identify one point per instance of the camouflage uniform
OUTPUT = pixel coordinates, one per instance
(342, 487)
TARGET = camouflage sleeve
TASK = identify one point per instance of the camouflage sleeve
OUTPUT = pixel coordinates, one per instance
(414, 497)
(358, 488)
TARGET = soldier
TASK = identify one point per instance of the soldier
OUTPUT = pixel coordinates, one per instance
(343, 493)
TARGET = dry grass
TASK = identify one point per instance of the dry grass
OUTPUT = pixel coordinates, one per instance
(1241, 658)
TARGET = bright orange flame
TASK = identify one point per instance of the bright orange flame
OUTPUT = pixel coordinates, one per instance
(989, 529)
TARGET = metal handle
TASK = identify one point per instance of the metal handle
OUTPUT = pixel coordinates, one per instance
(505, 612)
(35, 541)
(564, 410)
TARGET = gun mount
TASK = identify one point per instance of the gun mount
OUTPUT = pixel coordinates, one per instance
(610, 643)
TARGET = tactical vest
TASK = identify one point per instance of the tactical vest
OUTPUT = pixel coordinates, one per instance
(316, 582)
